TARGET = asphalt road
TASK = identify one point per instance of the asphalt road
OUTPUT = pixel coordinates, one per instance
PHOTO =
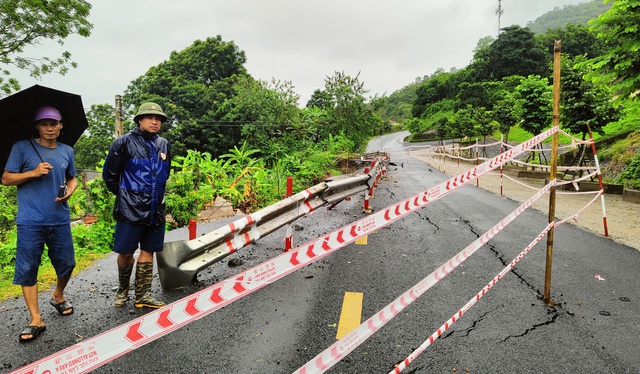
(594, 327)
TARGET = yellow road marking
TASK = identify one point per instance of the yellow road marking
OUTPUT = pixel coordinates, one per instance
(351, 314)
(362, 240)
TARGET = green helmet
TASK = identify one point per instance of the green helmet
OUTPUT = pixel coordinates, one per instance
(149, 108)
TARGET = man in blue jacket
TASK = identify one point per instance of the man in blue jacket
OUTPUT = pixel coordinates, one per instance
(136, 171)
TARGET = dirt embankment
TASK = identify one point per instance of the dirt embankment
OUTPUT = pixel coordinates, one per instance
(623, 218)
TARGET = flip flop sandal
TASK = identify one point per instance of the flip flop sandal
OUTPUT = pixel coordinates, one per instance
(34, 331)
(62, 307)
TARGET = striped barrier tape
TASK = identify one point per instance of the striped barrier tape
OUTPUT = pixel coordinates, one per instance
(97, 351)
(336, 352)
(404, 363)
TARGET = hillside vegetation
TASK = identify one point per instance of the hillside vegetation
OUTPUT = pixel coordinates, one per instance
(569, 14)
(506, 90)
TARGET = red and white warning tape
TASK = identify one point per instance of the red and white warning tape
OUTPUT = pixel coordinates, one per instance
(105, 347)
(404, 363)
(332, 355)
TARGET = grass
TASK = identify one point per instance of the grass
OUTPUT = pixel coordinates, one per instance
(47, 276)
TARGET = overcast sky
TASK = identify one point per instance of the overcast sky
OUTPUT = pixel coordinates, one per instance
(390, 43)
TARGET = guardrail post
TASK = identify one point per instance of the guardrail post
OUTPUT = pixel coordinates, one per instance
(477, 162)
(193, 225)
(367, 209)
(288, 239)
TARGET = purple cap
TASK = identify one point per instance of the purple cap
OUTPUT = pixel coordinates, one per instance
(47, 112)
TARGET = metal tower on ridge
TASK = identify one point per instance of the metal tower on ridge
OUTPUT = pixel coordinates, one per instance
(499, 13)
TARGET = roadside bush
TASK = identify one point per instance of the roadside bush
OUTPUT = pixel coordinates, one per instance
(8, 209)
(184, 198)
(94, 238)
(630, 176)
(8, 254)
(97, 200)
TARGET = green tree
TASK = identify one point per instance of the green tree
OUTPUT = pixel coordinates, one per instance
(442, 128)
(481, 57)
(619, 29)
(483, 123)
(577, 40)
(583, 102)
(192, 86)
(319, 99)
(349, 111)
(514, 52)
(479, 94)
(266, 111)
(439, 86)
(507, 113)
(27, 22)
(415, 125)
(312, 120)
(464, 125)
(91, 149)
(535, 97)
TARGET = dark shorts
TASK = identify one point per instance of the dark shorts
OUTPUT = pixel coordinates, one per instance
(30, 246)
(129, 237)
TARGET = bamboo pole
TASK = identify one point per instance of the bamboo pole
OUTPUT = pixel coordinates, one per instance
(557, 49)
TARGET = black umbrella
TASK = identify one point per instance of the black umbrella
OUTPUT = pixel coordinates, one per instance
(17, 111)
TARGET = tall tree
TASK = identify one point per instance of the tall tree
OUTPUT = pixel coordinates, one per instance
(319, 99)
(191, 86)
(535, 97)
(583, 102)
(464, 125)
(514, 52)
(619, 29)
(349, 112)
(483, 123)
(507, 113)
(442, 128)
(577, 40)
(266, 111)
(27, 22)
(479, 94)
(91, 149)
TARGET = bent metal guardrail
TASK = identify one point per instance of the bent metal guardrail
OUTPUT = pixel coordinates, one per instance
(180, 261)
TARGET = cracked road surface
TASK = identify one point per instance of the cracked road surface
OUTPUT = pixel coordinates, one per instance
(594, 327)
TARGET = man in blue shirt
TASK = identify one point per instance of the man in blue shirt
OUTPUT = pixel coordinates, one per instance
(44, 171)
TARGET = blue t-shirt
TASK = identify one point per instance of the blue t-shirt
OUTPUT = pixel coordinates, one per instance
(36, 197)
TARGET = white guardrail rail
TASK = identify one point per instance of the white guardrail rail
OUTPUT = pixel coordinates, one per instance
(180, 261)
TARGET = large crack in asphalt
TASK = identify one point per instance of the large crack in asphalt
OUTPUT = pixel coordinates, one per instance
(554, 315)
(426, 218)
(552, 311)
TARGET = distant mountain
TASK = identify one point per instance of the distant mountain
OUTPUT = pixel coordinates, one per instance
(576, 14)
